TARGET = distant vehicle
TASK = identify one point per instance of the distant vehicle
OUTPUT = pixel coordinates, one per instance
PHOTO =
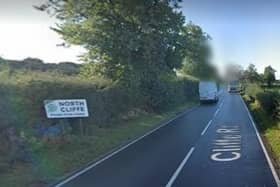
(234, 86)
(208, 91)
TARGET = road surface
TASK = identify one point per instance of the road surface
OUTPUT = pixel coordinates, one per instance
(213, 145)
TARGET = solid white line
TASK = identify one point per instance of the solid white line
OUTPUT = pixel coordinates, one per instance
(205, 129)
(276, 178)
(117, 151)
(178, 170)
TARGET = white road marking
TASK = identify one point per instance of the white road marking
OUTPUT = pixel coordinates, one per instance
(222, 103)
(207, 126)
(216, 157)
(228, 145)
(276, 178)
(233, 143)
(231, 146)
(177, 172)
(220, 150)
(75, 175)
(216, 112)
(227, 140)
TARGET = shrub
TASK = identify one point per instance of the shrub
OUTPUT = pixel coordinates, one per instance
(163, 94)
(268, 101)
(252, 90)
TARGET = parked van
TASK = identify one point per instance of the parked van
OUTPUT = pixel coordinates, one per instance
(208, 91)
(234, 86)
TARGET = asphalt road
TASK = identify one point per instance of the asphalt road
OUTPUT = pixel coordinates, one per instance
(213, 145)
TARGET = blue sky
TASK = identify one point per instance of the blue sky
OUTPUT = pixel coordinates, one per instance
(243, 32)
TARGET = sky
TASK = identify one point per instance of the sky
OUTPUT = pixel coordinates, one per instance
(242, 31)
(25, 32)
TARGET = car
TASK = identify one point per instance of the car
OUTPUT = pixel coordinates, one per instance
(208, 91)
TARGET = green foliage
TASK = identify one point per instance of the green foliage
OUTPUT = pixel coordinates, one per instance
(200, 70)
(269, 75)
(197, 44)
(251, 75)
(197, 53)
(169, 92)
(34, 64)
(268, 101)
(23, 95)
(92, 71)
(132, 34)
(253, 89)
(2, 60)
(134, 43)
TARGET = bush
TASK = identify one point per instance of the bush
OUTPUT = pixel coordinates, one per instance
(268, 101)
(164, 94)
(252, 90)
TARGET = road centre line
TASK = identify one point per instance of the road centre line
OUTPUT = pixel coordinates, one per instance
(207, 126)
(178, 170)
(221, 104)
(216, 112)
(209, 123)
(276, 178)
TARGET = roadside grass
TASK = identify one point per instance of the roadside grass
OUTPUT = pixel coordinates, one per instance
(53, 162)
(269, 129)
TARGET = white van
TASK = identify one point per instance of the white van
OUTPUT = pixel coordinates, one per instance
(208, 91)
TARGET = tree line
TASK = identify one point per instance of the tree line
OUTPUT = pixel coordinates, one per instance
(35, 64)
(251, 75)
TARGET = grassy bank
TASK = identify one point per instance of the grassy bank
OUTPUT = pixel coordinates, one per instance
(269, 128)
(58, 160)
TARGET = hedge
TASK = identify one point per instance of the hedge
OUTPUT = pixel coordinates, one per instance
(24, 94)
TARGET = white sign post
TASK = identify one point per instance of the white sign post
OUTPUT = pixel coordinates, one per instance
(68, 108)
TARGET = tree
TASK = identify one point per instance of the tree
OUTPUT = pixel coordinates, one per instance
(197, 53)
(269, 75)
(135, 43)
(251, 75)
(130, 35)
(199, 70)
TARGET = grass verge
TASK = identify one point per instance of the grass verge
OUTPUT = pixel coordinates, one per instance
(53, 162)
(270, 131)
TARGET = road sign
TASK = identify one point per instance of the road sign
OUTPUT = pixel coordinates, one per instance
(66, 108)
